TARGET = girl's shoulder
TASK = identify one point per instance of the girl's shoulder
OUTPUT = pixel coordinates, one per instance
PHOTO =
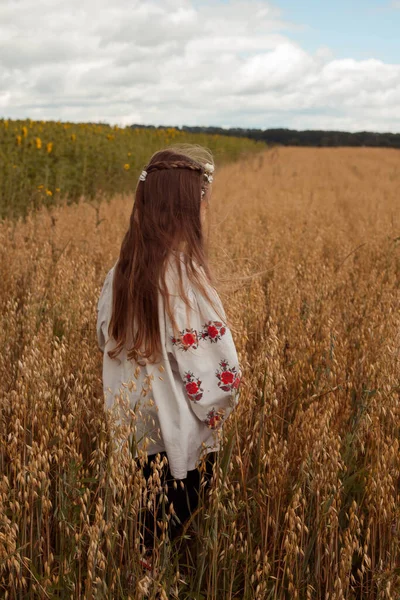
(199, 292)
(105, 296)
(176, 274)
(107, 283)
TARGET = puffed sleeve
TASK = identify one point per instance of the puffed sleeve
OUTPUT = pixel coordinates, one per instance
(206, 358)
(103, 305)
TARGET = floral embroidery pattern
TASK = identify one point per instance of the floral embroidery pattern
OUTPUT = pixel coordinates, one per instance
(188, 338)
(229, 378)
(213, 331)
(214, 418)
(193, 386)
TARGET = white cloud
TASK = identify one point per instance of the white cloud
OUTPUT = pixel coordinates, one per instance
(183, 62)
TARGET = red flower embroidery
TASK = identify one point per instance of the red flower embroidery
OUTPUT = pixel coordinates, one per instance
(213, 331)
(236, 383)
(188, 338)
(193, 386)
(214, 418)
(229, 378)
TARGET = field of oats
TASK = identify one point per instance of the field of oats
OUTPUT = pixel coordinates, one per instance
(306, 497)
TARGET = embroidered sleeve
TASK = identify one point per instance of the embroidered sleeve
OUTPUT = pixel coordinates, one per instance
(207, 360)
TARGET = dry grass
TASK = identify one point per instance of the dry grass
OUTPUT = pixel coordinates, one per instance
(306, 498)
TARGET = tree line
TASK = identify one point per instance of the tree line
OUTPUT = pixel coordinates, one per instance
(293, 137)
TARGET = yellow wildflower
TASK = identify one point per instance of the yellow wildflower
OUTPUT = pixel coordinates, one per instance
(129, 153)
(49, 147)
(25, 131)
(38, 142)
(57, 189)
(49, 193)
(127, 167)
(19, 140)
(40, 187)
(73, 137)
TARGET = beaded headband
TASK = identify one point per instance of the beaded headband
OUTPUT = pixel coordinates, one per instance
(208, 175)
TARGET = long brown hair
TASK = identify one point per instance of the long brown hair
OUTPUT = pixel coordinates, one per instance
(165, 218)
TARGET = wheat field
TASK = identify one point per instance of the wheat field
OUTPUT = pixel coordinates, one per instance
(306, 497)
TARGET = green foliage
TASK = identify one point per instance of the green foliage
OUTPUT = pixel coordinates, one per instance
(44, 161)
(308, 137)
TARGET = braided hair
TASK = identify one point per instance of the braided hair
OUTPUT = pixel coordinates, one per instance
(192, 165)
(176, 164)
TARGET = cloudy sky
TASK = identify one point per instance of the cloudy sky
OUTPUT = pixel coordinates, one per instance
(246, 63)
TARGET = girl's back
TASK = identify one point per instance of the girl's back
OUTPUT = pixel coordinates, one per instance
(182, 399)
(170, 367)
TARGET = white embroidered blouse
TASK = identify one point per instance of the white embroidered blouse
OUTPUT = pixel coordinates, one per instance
(181, 401)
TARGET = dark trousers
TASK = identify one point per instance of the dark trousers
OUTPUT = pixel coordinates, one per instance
(185, 498)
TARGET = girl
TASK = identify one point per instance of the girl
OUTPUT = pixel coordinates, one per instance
(168, 351)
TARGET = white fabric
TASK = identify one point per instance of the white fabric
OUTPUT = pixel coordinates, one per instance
(197, 376)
